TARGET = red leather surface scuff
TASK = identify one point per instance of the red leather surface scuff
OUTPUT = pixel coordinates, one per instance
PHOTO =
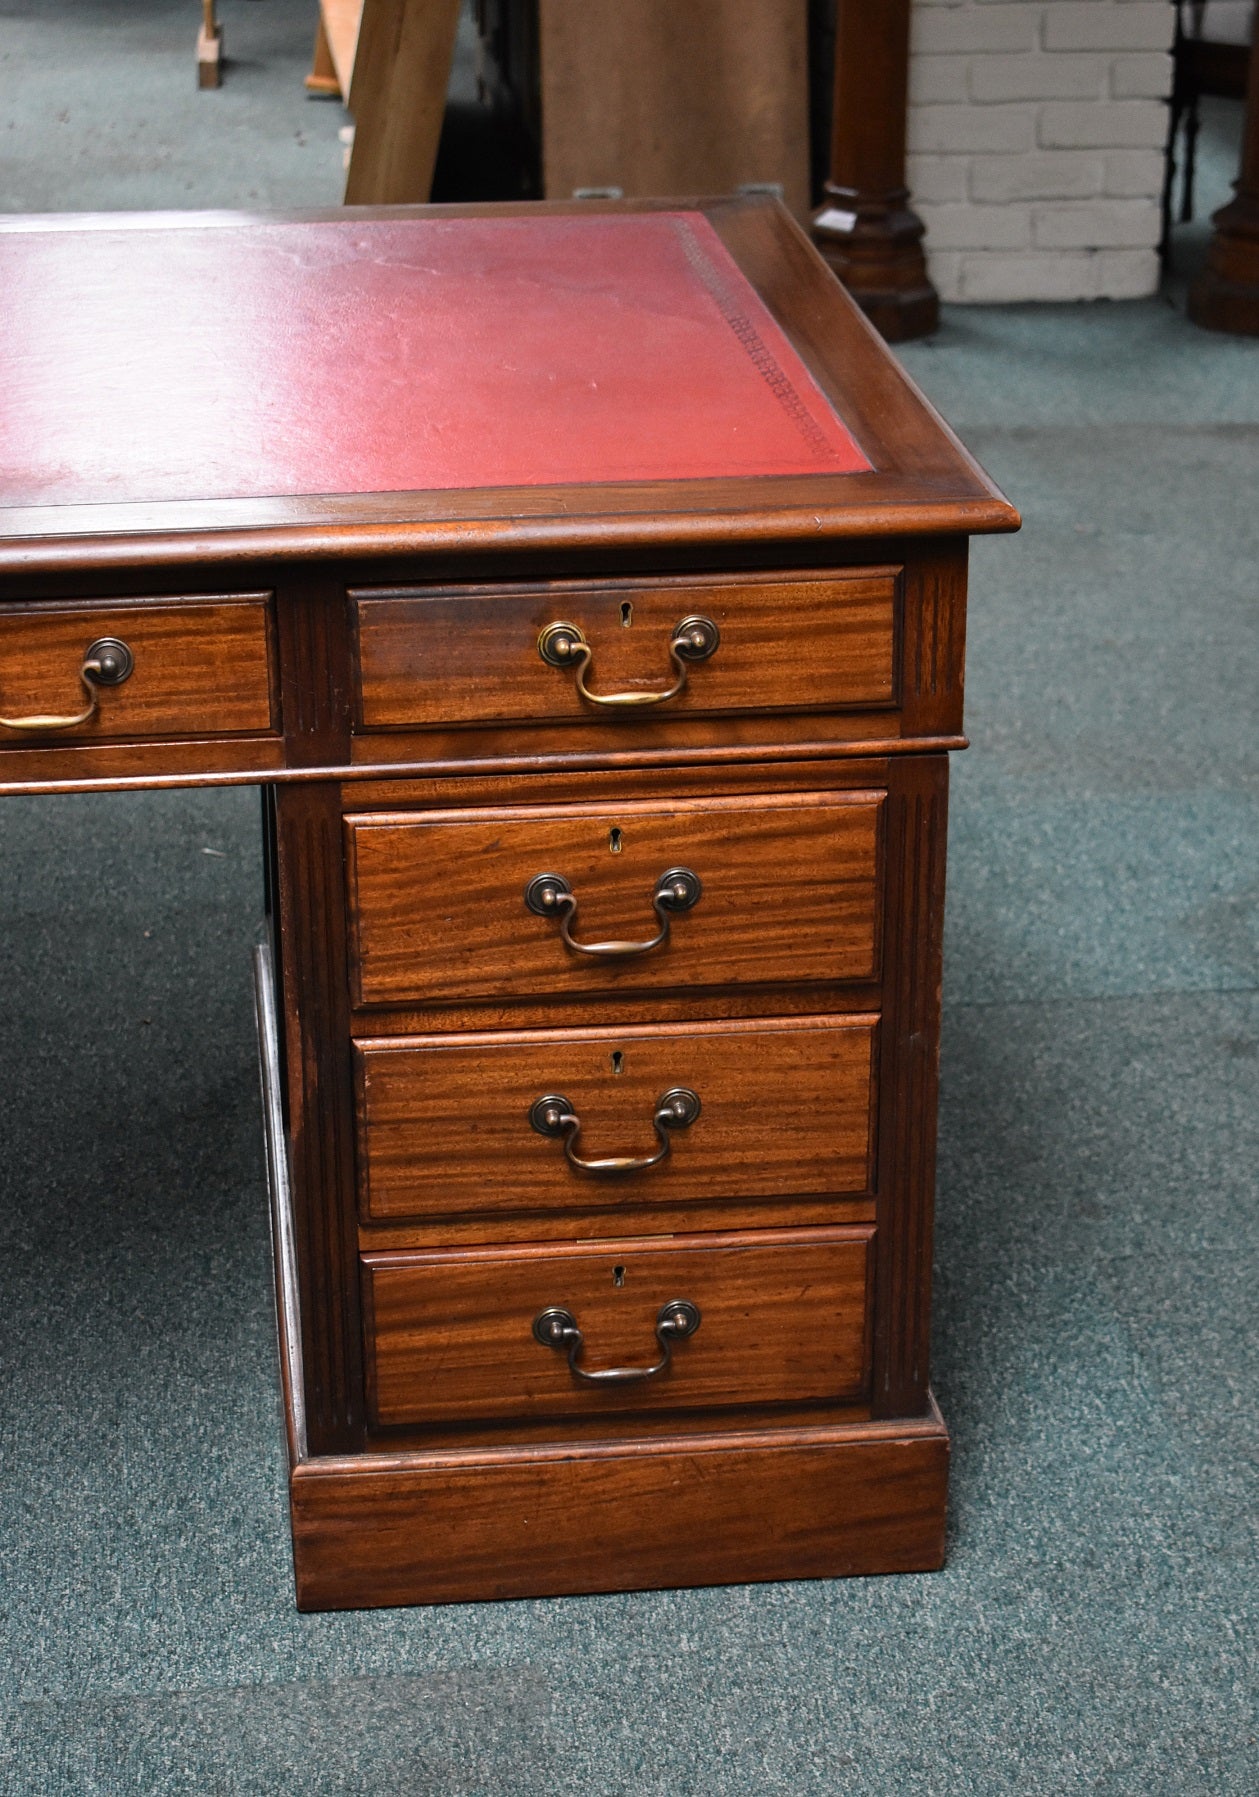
(249, 358)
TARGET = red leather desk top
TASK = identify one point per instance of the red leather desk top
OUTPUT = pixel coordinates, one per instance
(200, 359)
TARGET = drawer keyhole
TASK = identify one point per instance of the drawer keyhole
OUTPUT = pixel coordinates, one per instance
(618, 1275)
(627, 613)
(614, 841)
(618, 1061)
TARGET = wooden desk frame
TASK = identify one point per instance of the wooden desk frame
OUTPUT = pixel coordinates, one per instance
(861, 1490)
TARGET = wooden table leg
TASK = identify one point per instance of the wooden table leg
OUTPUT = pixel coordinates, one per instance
(864, 227)
(209, 48)
(1225, 297)
(323, 73)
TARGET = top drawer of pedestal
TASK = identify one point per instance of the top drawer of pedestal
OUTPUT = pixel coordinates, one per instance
(649, 649)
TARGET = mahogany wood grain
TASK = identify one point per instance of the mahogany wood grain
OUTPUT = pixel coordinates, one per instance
(539, 525)
(526, 1522)
(909, 1074)
(444, 1121)
(202, 667)
(681, 1004)
(594, 1224)
(520, 749)
(614, 1425)
(316, 667)
(472, 656)
(576, 786)
(233, 761)
(789, 894)
(310, 939)
(37, 767)
(450, 1336)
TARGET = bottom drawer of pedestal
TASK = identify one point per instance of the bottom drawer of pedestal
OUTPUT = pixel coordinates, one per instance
(686, 1323)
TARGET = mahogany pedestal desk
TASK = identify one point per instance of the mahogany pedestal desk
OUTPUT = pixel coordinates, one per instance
(585, 587)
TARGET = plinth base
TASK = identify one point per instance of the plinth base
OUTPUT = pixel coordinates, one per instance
(626, 1516)
(1225, 297)
(878, 256)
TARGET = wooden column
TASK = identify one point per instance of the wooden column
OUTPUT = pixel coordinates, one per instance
(864, 227)
(1225, 297)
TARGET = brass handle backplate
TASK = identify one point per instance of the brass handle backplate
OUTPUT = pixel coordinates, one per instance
(550, 895)
(557, 1328)
(564, 645)
(554, 1116)
(106, 662)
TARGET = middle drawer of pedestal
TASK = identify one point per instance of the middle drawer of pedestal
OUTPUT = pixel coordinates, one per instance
(582, 1119)
(483, 1335)
(641, 897)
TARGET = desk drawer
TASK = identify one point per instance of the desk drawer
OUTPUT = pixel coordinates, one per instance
(452, 1125)
(198, 667)
(451, 905)
(451, 1337)
(777, 643)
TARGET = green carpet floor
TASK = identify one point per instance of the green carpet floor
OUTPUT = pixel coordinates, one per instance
(1096, 1353)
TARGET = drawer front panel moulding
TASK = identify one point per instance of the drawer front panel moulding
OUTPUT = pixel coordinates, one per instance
(464, 905)
(451, 1338)
(447, 1124)
(786, 645)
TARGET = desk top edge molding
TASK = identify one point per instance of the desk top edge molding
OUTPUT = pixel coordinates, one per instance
(923, 482)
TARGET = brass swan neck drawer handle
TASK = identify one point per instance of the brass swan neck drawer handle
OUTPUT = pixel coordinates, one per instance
(557, 1328)
(554, 1116)
(107, 662)
(564, 646)
(550, 895)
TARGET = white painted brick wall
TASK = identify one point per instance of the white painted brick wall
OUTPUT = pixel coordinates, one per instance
(1036, 131)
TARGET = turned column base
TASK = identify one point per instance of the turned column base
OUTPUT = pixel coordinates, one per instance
(1225, 297)
(876, 250)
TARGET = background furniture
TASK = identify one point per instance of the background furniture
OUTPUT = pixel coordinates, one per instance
(587, 589)
(389, 60)
(655, 98)
(640, 99)
(209, 48)
(864, 226)
(1225, 297)
(398, 98)
(336, 43)
(1201, 67)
